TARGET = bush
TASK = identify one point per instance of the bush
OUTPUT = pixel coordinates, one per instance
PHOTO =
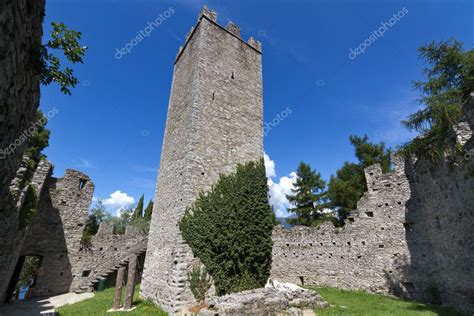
(199, 282)
(229, 229)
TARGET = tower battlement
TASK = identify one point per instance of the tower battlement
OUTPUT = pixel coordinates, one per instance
(231, 28)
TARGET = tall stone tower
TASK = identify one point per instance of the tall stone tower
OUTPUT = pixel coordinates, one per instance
(214, 122)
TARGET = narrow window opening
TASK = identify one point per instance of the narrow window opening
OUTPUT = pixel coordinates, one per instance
(381, 246)
(232, 76)
(213, 96)
(369, 214)
(86, 273)
(82, 183)
(301, 280)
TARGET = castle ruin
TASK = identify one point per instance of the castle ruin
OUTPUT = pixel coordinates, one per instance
(411, 235)
(214, 122)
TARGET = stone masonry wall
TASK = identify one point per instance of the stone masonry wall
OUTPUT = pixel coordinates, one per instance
(55, 234)
(362, 253)
(21, 30)
(105, 254)
(410, 236)
(11, 247)
(214, 122)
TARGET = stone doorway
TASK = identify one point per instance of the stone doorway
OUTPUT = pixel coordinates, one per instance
(24, 269)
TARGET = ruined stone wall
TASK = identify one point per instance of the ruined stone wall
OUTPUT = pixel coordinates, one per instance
(21, 31)
(11, 246)
(412, 235)
(359, 255)
(55, 234)
(214, 122)
(104, 255)
(441, 218)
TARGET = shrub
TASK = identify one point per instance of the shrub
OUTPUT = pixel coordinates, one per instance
(229, 229)
(199, 282)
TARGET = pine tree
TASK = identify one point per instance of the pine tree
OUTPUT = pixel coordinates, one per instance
(308, 196)
(148, 211)
(450, 80)
(348, 185)
(139, 209)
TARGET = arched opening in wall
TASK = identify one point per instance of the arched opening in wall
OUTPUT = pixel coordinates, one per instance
(24, 278)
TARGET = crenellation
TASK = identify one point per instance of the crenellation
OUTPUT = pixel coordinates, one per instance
(232, 28)
(210, 14)
(255, 44)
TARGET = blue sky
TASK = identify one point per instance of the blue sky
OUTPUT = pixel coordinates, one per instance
(112, 126)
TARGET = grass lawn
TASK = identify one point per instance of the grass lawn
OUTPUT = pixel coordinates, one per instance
(361, 303)
(342, 303)
(102, 301)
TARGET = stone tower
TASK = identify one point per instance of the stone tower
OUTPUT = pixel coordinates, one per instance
(214, 122)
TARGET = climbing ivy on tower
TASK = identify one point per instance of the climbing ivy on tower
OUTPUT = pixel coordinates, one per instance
(229, 229)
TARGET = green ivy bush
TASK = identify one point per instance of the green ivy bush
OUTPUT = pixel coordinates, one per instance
(229, 229)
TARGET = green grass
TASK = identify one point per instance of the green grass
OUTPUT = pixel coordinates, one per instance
(362, 303)
(102, 301)
(342, 303)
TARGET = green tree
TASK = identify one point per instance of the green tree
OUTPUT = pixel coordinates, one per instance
(38, 140)
(348, 185)
(49, 65)
(148, 211)
(120, 222)
(98, 214)
(139, 208)
(449, 81)
(308, 196)
(229, 229)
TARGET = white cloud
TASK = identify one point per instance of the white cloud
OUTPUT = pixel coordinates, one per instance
(118, 201)
(269, 166)
(279, 189)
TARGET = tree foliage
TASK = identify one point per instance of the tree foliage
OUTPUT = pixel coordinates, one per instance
(229, 229)
(138, 212)
(148, 211)
(449, 81)
(308, 196)
(348, 185)
(49, 65)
